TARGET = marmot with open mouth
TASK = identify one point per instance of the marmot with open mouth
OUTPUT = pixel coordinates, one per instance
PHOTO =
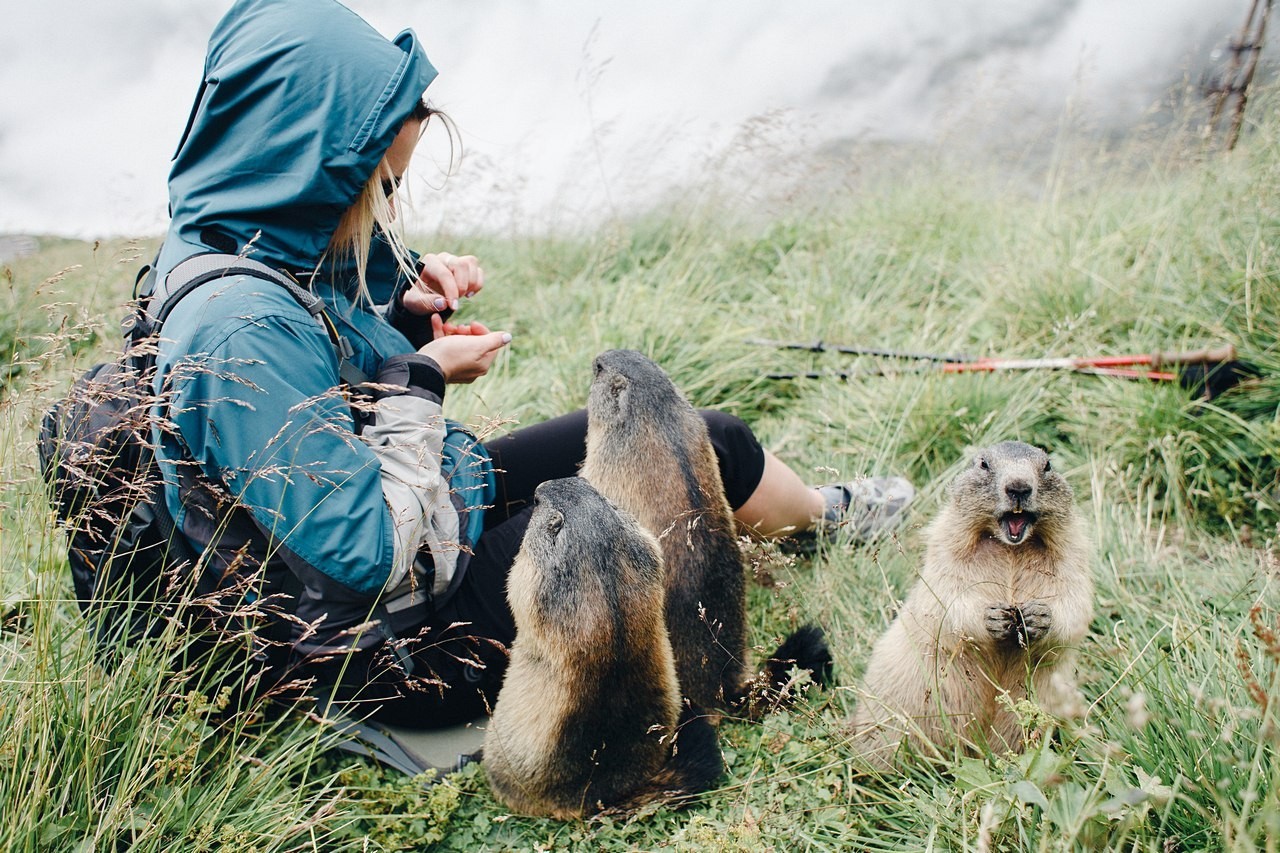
(1005, 595)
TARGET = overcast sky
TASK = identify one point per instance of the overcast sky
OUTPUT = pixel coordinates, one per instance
(573, 107)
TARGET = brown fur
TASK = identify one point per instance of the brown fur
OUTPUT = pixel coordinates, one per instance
(587, 715)
(648, 450)
(992, 614)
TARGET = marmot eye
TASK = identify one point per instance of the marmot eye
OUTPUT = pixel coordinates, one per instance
(983, 464)
(1048, 466)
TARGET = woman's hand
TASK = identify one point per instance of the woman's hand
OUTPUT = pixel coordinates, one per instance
(444, 280)
(464, 351)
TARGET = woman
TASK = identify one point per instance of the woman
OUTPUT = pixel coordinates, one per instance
(358, 526)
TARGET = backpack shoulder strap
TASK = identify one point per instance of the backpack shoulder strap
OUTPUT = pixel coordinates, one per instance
(161, 296)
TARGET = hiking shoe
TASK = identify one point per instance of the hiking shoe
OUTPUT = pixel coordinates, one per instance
(864, 509)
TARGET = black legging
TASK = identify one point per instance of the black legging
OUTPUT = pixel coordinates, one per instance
(524, 459)
(556, 448)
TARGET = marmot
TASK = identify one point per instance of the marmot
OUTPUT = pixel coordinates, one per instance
(648, 450)
(589, 713)
(1005, 595)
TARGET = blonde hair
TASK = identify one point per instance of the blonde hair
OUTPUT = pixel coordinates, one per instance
(373, 211)
(353, 238)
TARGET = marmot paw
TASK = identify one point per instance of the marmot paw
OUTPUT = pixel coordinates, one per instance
(1016, 626)
(1002, 623)
(1036, 620)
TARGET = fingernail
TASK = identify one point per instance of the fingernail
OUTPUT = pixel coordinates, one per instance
(454, 305)
(506, 337)
(440, 304)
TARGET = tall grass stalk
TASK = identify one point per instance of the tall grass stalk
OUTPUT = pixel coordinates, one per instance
(1147, 245)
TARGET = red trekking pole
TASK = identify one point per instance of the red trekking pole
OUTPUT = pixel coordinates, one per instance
(1127, 366)
(1204, 372)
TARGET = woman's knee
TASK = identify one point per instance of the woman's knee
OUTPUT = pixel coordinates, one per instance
(739, 452)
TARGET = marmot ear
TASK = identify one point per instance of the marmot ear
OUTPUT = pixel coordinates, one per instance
(554, 523)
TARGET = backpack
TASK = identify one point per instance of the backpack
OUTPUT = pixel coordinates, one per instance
(129, 564)
(96, 454)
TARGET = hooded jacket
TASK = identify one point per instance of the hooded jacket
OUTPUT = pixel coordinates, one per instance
(266, 471)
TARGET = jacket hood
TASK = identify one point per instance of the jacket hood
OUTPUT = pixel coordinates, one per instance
(300, 99)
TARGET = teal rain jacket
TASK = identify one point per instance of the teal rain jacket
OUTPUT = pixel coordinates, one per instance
(267, 471)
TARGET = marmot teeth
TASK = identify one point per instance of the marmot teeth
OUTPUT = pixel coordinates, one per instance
(1016, 525)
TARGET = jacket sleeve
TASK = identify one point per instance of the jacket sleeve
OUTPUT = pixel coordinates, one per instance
(407, 435)
(257, 405)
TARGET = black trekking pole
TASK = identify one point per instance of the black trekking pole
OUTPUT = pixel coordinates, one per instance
(1205, 373)
(823, 346)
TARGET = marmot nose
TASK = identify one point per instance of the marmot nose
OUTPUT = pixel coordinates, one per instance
(1019, 491)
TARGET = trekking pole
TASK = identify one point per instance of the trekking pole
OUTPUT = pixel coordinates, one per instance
(1206, 372)
(822, 346)
(1107, 365)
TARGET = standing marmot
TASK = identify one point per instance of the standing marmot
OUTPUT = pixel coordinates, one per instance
(649, 451)
(1005, 595)
(587, 715)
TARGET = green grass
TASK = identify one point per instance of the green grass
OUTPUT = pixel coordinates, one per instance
(1150, 244)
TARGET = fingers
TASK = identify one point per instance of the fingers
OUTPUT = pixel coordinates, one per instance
(437, 278)
(442, 281)
(450, 277)
(419, 300)
(465, 357)
(467, 272)
(495, 340)
(486, 347)
(473, 328)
